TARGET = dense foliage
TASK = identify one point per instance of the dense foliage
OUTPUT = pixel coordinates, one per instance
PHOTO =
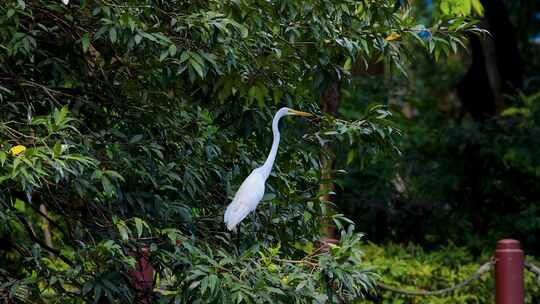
(458, 179)
(471, 183)
(127, 125)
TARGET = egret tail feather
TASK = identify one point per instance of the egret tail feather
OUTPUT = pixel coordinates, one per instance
(235, 213)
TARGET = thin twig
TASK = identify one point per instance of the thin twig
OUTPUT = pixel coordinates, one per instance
(297, 262)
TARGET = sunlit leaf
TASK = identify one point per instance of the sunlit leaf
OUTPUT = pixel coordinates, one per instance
(392, 36)
(17, 149)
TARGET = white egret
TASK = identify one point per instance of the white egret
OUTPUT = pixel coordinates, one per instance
(251, 191)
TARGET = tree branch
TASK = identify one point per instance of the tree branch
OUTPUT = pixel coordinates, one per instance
(34, 238)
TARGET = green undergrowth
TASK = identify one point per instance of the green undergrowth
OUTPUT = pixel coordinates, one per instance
(411, 268)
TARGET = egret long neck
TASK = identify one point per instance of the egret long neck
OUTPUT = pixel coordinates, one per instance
(267, 167)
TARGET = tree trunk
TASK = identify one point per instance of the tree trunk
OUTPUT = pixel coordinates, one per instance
(329, 101)
(496, 67)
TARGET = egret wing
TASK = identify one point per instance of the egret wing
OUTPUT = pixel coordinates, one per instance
(245, 200)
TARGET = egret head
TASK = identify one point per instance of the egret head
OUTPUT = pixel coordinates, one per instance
(287, 111)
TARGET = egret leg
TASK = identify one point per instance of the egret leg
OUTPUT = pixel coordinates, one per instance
(253, 225)
(238, 240)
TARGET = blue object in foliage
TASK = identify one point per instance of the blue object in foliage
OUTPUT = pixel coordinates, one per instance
(535, 39)
(424, 34)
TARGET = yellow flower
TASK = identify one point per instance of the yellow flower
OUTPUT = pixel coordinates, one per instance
(18, 149)
(392, 36)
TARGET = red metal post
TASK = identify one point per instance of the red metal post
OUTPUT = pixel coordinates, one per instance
(143, 276)
(509, 272)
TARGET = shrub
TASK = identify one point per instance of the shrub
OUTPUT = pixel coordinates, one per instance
(409, 267)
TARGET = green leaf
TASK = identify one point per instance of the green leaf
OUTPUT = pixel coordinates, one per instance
(445, 7)
(10, 13)
(132, 24)
(135, 139)
(194, 284)
(163, 55)
(114, 174)
(123, 232)
(162, 39)
(62, 114)
(243, 31)
(112, 35)
(139, 226)
(466, 7)
(477, 7)
(185, 56)
(85, 41)
(3, 157)
(57, 149)
(107, 185)
(350, 156)
(20, 205)
(197, 67)
(21, 4)
(172, 50)
(197, 58)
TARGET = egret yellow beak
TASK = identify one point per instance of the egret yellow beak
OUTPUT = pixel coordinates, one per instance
(300, 113)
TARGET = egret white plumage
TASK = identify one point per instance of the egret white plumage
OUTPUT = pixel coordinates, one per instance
(251, 191)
